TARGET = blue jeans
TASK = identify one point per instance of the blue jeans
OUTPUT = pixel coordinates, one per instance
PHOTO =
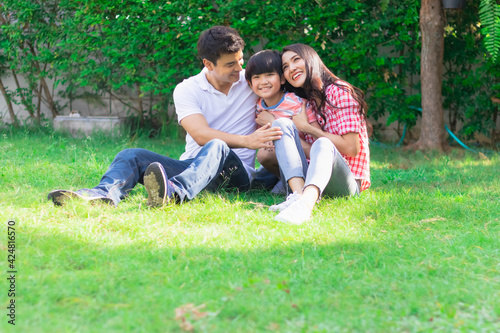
(216, 166)
(328, 170)
(264, 180)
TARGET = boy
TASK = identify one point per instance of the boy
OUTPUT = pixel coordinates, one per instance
(264, 75)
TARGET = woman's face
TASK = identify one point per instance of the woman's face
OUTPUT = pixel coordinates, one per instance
(294, 69)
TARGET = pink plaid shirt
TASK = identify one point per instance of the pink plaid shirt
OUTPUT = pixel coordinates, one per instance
(343, 119)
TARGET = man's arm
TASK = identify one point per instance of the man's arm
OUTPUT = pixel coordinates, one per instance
(197, 126)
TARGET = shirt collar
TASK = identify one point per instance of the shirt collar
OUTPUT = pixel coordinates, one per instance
(201, 78)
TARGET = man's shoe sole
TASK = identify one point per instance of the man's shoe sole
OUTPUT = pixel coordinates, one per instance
(155, 181)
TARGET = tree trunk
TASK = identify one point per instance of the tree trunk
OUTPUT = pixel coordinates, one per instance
(432, 133)
(493, 130)
(28, 106)
(140, 104)
(39, 106)
(48, 95)
(12, 115)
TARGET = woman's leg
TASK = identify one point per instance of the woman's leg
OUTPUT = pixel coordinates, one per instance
(328, 173)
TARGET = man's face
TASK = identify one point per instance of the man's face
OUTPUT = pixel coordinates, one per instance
(228, 68)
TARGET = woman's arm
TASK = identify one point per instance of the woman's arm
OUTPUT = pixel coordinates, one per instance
(347, 144)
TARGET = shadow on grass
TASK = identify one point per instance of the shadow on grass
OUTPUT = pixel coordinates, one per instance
(320, 283)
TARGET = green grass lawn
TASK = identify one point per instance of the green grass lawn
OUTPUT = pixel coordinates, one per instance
(419, 251)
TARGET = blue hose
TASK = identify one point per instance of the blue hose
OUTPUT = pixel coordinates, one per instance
(400, 143)
(454, 137)
(458, 140)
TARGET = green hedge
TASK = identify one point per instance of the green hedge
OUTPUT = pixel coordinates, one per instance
(102, 48)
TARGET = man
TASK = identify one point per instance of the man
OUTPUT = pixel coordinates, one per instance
(217, 110)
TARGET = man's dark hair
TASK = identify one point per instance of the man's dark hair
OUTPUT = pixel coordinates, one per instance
(219, 40)
(266, 61)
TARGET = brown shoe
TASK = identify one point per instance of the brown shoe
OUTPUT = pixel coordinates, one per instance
(60, 197)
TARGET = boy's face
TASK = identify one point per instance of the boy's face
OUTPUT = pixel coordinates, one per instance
(227, 69)
(266, 85)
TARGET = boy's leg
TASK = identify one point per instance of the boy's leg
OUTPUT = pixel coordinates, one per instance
(329, 173)
(291, 158)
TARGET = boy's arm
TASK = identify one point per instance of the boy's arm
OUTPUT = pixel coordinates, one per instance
(264, 117)
(197, 126)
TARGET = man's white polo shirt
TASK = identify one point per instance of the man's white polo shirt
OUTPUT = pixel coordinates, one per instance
(234, 113)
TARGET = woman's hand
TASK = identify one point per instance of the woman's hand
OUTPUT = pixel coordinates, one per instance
(264, 117)
(300, 120)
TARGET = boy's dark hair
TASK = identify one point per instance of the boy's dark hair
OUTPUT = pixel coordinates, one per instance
(217, 41)
(266, 61)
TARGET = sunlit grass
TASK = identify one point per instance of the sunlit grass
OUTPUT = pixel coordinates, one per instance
(419, 251)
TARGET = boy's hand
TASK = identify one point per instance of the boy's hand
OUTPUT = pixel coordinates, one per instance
(264, 117)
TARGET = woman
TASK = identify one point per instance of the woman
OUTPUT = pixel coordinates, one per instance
(339, 155)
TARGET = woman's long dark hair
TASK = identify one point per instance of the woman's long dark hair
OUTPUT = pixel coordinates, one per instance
(318, 77)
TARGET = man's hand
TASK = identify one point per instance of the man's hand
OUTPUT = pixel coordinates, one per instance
(261, 137)
(269, 146)
(197, 126)
(264, 117)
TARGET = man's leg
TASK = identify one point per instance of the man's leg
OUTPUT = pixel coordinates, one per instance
(126, 170)
(215, 166)
(264, 180)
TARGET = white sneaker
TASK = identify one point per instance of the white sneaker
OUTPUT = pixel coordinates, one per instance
(297, 213)
(289, 200)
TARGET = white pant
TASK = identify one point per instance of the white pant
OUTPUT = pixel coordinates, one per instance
(328, 170)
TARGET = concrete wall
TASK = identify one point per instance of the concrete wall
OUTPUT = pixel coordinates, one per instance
(106, 107)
